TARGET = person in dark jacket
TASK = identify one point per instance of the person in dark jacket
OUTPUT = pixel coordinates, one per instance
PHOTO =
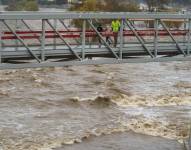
(99, 29)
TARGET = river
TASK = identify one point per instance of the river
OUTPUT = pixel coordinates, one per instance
(101, 106)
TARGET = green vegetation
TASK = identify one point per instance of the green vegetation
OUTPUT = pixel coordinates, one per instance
(22, 5)
(87, 5)
(104, 6)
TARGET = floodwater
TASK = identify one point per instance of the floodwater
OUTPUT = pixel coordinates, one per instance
(125, 141)
(134, 106)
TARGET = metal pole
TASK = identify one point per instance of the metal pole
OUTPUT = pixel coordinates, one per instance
(16, 29)
(184, 36)
(156, 38)
(184, 40)
(121, 40)
(83, 39)
(189, 37)
(43, 40)
(55, 26)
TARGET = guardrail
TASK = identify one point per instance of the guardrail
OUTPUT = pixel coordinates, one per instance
(56, 44)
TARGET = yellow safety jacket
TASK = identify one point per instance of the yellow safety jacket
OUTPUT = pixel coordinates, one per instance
(115, 26)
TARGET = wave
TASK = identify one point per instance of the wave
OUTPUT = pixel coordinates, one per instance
(136, 100)
(116, 99)
(144, 126)
(167, 100)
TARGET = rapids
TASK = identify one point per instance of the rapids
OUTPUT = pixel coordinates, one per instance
(48, 108)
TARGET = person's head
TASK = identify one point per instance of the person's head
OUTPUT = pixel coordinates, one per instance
(108, 27)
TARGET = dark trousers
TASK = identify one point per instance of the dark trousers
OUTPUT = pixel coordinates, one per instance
(108, 40)
(115, 36)
(99, 40)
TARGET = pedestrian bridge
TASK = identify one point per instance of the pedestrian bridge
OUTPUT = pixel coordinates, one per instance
(44, 39)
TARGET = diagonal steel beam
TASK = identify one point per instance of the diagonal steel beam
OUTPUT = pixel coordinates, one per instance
(65, 26)
(62, 22)
(61, 37)
(139, 39)
(21, 40)
(102, 38)
(29, 28)
(177, 45)
(131, 23)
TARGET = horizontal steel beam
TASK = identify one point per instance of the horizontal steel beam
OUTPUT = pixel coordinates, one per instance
(94, 52)
(92, 62)
(90, 15)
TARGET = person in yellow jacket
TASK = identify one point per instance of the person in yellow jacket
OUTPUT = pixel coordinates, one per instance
(115, 25)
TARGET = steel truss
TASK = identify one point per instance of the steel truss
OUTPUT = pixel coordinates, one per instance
(43, 53)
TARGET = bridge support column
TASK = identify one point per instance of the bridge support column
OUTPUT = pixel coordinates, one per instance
(43, 40)
(156, 37)
(83, 39)
(55, 26)
(121, 39)
(16, 40)
(189, 37)
(185, 28)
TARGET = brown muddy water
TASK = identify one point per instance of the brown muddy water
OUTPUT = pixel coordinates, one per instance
(134, 106)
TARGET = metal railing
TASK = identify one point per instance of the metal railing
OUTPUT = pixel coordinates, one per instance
(73, 47)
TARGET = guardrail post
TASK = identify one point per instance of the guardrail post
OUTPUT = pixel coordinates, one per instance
(189, 37)
(121, 39)
(83, 39)
(43, 41)
(156, 22)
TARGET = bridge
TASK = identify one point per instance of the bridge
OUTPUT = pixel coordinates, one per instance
(44, 39)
